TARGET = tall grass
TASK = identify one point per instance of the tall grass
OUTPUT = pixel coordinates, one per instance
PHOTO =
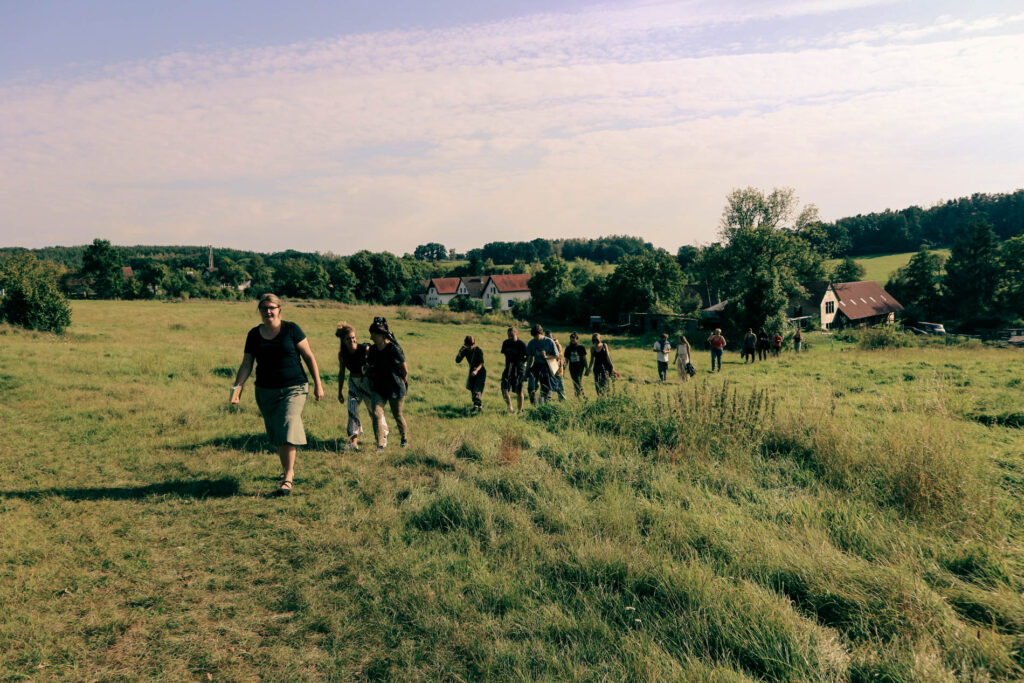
(839, 515)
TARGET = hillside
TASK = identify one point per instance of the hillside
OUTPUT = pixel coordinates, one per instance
(841, 515)
(880, 268)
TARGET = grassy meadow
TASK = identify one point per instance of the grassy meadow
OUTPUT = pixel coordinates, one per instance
(880, 268)
(844, 515)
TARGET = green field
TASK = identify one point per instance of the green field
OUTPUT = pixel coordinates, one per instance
(841, 515)
(880, 268)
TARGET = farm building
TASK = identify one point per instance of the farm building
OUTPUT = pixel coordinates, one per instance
(856, 304)
(500, 291)
(441, 290)
(497, 291)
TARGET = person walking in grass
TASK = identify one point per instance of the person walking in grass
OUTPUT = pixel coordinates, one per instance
(683, 358)
(763, 343)
(389, 377)
(749, 346)
(353, 359)
(776, 344)
(717, 342)
(545, 361)
(662, 347)
(576, 358)
(474, 356)
(798, 340)
(278, 348)
(558, 375)
(601, 364)
(514, 374)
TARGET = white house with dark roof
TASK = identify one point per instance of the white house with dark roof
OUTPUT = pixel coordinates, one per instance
(847, 304)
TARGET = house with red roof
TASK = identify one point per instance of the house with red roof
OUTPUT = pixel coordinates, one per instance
(500, 291)
(857, 304)
(441, 290)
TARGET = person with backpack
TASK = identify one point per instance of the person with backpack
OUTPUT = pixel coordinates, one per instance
(545, 362)
(798, 340)
(576, 358)
(353, 359)
(717, 342)
(474, 356)
(389, 381)
(662, 347)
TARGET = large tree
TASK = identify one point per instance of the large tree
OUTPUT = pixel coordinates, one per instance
(644, 283)
(973, 273)
(1011, 291)
(103, 264)
(382, 278)
(916, 285)
(762, 263)
(432, 251)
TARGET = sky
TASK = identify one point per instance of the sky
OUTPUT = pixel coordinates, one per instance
(339, 126)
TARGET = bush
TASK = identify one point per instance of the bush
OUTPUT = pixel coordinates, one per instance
(467, 304)
(32, 298)
(887, 337)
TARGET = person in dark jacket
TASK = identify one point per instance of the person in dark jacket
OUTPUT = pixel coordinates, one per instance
(474, 356)
(514, 374)
(763, 344)
(749, 346)
(389, 377)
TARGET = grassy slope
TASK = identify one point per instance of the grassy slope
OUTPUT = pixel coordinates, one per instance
(841, 515)
(880, 268)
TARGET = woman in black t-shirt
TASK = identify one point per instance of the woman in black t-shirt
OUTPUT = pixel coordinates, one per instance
(389, 376)
(474, 356)
(601, 364)
(277, 348)
(353, 359)
(576, 358)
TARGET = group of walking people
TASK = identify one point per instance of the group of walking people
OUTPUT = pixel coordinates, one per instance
(762, 343)
(377, 373)
(539, 365)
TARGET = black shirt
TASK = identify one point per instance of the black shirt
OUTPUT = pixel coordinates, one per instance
(514, 351)
(475, 356)
(355, 362)
(575, 354)
(278, 363)
(386, 371)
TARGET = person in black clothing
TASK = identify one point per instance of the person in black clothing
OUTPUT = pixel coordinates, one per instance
(278, 348)
(764, 343)
(601, 364)
(514, 374)
(576, 358)
(389, 375)
(474, 356)
(353, 358)
(749, 346)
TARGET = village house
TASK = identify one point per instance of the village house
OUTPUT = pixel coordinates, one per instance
(857, 304)
(441, 290)
(501, 291)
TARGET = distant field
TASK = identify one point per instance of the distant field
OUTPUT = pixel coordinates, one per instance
(842, 515)
(880, 268)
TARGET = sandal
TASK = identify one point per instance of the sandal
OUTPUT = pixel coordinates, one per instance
(284, 488)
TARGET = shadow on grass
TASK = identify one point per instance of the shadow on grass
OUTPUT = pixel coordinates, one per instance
(453, 410)
(258, 443)
(199, 488)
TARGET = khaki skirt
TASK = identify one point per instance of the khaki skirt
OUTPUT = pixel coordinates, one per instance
(282, 413)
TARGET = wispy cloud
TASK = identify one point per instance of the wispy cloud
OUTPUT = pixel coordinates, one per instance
(623, 119)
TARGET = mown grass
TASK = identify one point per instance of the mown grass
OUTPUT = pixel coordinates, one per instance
(842, 515)
(880, 268)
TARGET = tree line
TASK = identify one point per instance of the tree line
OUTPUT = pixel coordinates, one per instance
(769, 247)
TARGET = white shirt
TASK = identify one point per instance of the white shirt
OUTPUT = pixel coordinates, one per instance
(663, 349)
